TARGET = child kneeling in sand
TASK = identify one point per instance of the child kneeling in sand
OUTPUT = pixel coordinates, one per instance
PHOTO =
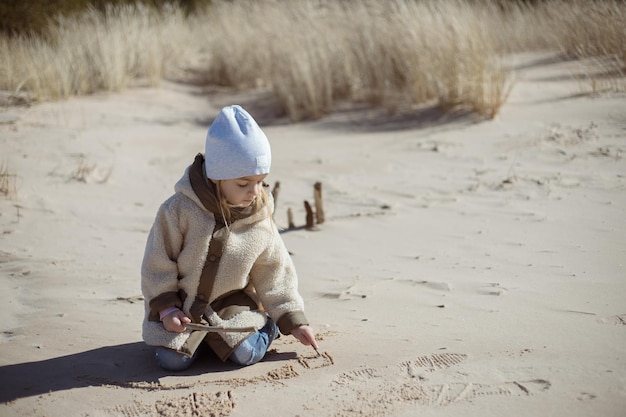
(214, 256)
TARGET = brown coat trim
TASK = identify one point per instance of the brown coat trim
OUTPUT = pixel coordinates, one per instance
(163, 301)
(289, 321)
(226, 306)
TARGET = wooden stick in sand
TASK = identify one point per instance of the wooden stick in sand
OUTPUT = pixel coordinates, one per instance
(275, 192)
(292, 225)
(207, 328)
(309, 216)
(319, 204)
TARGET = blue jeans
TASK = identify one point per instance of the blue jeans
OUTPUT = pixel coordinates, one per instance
(249, 352)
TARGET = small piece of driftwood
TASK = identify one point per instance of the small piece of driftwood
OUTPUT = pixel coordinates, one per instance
(319, 204)
(292, 225)
(275, 192)
(206, 328)
(310, 225)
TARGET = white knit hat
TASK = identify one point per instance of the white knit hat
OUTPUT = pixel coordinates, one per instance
(236, 146)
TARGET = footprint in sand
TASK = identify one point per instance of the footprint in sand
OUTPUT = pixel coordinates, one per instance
(411, 369)
(370, 392)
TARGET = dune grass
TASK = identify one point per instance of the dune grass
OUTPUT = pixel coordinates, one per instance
(397, 54)
(94, 51)
(8, 181)
(313, 54)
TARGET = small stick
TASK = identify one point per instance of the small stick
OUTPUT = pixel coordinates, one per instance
(275, 192)
(292, 225)
(206, 328)
(319, 204)
(309, 216)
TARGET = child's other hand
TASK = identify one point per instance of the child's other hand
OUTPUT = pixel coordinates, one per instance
(175, 321)
(305, 335)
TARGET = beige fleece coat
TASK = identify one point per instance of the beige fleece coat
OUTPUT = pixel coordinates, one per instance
(253, 253)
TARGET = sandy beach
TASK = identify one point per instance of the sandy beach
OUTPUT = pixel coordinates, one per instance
(465, 267)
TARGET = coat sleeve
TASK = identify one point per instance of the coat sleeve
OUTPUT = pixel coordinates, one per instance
(275, 280)
(159, 269)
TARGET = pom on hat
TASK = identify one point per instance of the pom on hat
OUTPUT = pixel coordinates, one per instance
(236, 146)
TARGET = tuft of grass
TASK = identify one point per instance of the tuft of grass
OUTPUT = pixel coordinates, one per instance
(94, 51)
(8, 181)
(589, 31)
(32, 17)
(85, 172)
(399, 54)
(601, 75)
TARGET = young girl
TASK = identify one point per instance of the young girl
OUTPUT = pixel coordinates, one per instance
(214, 256)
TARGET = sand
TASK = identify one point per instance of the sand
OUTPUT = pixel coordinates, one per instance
(465, 267)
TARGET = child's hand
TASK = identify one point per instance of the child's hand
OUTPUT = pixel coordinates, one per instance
(305, 335)
(175, 321)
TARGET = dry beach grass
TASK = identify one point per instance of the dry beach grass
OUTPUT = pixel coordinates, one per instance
(8, 181)
(311, 55)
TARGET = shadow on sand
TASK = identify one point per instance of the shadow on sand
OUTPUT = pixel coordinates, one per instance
(130, 365)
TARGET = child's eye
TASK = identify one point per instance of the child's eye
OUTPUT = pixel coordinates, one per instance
(244, 185)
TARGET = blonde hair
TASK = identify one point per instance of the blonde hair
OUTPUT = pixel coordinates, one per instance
(226, 208)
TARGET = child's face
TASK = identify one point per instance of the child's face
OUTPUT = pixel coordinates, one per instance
(241, 192)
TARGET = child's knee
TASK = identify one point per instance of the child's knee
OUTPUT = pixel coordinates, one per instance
(251, 350)
(247, 353)
(171, 360)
